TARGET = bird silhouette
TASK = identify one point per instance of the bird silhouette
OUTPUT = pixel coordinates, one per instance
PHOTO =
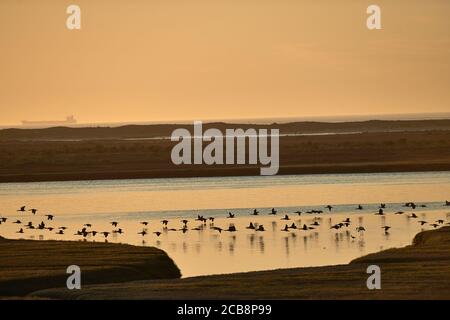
(260, 228)
(143, 232)
(251, 226)
(184, 229)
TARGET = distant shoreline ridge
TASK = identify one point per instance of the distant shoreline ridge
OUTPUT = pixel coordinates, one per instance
(259, 121)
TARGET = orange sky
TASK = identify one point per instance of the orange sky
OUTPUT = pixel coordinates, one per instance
(158, 60)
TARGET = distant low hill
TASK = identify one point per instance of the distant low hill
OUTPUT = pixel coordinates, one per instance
(164, 130)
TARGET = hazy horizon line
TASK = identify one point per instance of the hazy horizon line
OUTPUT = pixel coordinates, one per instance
(258, 120)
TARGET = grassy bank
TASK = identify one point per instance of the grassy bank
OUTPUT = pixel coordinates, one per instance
(418, 271)
(23, 161)
(27, 265)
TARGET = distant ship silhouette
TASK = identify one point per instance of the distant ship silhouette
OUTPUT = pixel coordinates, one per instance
(69, 120)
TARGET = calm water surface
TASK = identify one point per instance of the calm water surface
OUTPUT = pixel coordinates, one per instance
(206, 251)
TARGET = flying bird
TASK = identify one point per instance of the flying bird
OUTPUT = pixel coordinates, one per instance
(143, 232)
